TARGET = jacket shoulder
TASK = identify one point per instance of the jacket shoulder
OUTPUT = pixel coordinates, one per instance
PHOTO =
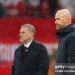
(41, 47)
(71, 35)
(19, 47)
(39, 44)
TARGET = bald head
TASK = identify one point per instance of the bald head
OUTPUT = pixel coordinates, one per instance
(63, 18)
(65, 13)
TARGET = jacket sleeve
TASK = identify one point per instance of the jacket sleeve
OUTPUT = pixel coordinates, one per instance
(13, 65)
(42, 62)
(13, 69)
(71, 50)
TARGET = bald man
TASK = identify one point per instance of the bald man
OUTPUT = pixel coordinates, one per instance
(31, 57)
(66, 33)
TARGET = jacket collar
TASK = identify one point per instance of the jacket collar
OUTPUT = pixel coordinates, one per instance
(70, 28)
(27, 45)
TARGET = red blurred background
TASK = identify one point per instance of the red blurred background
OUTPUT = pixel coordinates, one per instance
(13, 15)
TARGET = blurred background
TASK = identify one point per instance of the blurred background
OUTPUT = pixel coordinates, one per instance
(40, 13)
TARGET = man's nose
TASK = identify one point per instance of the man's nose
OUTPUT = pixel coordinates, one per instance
(55, 22)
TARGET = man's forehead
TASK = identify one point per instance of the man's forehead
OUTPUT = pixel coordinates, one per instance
(59, 15)
(23, 29)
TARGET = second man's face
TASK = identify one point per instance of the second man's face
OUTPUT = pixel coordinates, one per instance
(59, 21)
(25, 35)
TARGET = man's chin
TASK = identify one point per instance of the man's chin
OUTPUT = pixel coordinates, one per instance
(57, 28)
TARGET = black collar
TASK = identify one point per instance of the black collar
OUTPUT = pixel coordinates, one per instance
(70, 28)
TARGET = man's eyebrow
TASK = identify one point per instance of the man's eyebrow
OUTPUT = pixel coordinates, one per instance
(57, 18)
(21, 31)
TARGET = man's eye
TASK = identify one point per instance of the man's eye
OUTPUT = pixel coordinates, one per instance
(57, 18)
(23, 32)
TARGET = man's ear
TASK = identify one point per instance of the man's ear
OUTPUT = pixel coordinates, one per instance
(65, 20)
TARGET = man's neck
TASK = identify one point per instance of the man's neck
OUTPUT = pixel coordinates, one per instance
(27, 44)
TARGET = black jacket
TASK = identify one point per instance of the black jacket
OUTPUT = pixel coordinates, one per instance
(31, 61)
(66, 47)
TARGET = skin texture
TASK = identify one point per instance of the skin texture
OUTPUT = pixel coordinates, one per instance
(27, 32)
(62, 18)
